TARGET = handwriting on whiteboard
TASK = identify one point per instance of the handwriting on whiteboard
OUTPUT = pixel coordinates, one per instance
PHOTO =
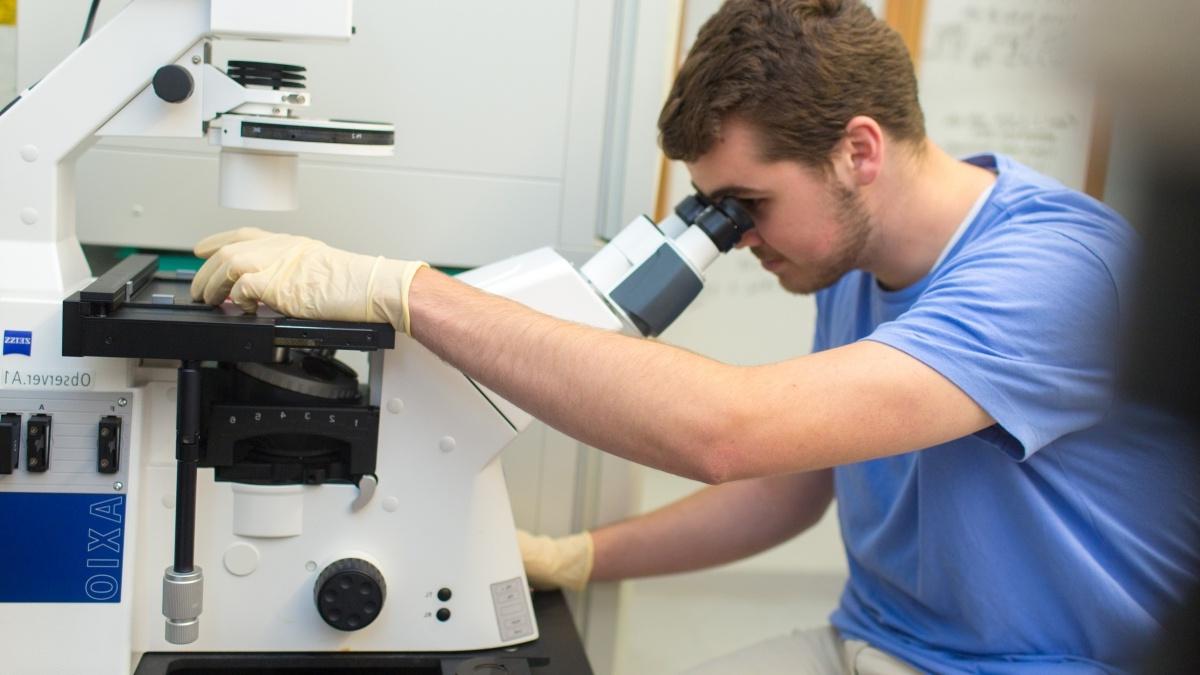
(1012, 35)
(992, 79)
(1037, 139)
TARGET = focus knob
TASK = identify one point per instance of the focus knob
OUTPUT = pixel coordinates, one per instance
(349, 594)
(173, 84)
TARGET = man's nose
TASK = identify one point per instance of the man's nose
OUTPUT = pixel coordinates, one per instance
(750, 238)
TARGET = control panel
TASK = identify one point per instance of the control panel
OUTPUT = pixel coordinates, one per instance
(64, 441)
(64, 467)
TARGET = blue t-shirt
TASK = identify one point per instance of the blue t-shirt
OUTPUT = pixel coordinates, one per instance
(1057, 540)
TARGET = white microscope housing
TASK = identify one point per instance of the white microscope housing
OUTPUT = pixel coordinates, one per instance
(109, 424)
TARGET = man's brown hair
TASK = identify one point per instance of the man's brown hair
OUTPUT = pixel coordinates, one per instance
(797, 71)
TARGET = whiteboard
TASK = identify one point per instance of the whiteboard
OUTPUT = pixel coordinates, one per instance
(991, 80)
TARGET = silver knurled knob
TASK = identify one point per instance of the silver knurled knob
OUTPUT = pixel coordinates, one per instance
(183, 600)
(184, 633)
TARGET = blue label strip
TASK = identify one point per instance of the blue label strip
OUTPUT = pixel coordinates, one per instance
(61, 547)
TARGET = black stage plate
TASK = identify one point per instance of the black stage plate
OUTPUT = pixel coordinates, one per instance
(134, 312)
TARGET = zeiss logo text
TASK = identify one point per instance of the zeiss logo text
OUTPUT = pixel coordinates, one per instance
(18, 342)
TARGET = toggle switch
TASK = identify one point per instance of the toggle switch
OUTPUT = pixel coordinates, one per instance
(37, 444)
(108, 445)
(10, 443)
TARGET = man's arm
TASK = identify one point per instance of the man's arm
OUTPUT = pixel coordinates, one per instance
(717, 525)
(646, 401)
(683, 413)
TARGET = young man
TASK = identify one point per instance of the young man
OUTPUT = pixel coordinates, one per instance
(1002, 512)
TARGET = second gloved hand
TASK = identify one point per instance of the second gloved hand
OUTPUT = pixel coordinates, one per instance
(562, 562)
(303, 277)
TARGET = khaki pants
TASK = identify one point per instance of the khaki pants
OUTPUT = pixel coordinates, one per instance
(817, 651)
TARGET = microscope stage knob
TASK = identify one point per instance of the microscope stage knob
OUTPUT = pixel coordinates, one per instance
(349, 594)
(173, 84)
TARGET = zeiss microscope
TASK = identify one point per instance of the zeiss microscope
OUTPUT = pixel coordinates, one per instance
(180, 479)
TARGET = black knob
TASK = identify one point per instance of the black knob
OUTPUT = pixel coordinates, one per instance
(349, 594)
(173, 84)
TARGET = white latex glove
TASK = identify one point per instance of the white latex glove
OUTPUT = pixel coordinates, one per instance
(562, 562)
(303, 277)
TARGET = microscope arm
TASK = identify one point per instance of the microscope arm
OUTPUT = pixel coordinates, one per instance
(105, 87)
(54, 122)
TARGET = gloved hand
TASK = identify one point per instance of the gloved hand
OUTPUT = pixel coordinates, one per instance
(303, 277)
(562, 562)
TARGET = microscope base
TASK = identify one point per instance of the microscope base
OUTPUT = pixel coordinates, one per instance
(558, 651)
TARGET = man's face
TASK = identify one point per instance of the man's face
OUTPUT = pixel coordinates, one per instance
(810, 229)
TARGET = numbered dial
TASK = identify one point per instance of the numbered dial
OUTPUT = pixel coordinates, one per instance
(349, 594)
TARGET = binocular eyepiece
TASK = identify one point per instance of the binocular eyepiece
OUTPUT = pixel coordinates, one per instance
(724, 221)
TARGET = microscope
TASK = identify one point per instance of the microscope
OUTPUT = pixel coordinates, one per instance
(178, 479)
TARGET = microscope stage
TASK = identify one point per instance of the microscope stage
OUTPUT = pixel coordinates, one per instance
(134, 311)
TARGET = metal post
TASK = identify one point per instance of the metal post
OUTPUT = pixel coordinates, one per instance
(183, 583)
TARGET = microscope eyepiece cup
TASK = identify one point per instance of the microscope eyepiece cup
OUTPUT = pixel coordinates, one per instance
(725, 222)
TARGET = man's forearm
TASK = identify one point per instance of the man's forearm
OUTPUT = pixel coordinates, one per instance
(714, 526)
(667, 408)
(648, 402)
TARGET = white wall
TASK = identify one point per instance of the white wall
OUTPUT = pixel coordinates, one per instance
(8, 64)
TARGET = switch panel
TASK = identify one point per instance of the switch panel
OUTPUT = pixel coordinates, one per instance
(10, 443)
(78, 430)
(108, 445)
(37, 444)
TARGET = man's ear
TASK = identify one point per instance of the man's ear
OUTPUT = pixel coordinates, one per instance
(861, 151)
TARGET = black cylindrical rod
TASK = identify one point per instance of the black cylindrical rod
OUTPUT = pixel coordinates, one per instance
(187, 453)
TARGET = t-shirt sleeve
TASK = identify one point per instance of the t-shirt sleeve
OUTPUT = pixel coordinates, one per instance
(821, 333)
(1026, 326)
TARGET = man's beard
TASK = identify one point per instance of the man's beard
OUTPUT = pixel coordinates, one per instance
(847, 253)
